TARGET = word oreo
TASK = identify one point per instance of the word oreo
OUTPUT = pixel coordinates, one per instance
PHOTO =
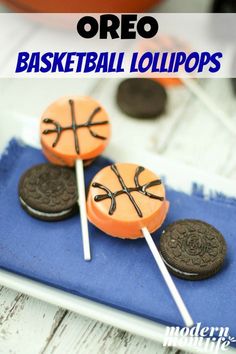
(110, 25)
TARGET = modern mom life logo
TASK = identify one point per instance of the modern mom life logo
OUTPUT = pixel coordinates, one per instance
(208, 339)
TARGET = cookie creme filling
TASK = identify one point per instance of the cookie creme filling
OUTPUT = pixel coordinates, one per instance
(41, 213)
(177, 270)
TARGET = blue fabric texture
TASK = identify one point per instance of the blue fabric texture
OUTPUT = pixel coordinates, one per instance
(122, 274)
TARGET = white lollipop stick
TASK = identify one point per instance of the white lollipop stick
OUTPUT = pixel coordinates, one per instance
(82, 205)
(169, 282)
(193, 86)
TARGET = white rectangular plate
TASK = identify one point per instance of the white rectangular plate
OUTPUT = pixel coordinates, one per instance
(177, 175)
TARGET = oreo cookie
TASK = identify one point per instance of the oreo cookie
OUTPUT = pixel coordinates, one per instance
(224, 6)
(192, 249)
(49, 192)
(141, 98)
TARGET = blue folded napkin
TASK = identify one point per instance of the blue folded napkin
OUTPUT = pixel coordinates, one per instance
(123, 273)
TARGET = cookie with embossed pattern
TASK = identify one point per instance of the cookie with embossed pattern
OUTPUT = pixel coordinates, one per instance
(192, 249)
(49, 192)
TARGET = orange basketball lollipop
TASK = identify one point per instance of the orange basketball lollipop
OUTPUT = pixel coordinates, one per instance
(162, 44)
(123, 198)
(74, 129)
(128, 201)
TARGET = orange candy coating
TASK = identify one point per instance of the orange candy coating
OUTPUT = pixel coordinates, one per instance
(61, 143)
(168, 82)
(124, 221)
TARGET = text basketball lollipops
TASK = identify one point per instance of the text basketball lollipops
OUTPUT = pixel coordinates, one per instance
(74, 130)
(128, 201)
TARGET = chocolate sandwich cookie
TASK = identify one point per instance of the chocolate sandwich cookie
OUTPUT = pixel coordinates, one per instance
(192, 249)
(224, 6)
(49, 192)
(141, 98)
